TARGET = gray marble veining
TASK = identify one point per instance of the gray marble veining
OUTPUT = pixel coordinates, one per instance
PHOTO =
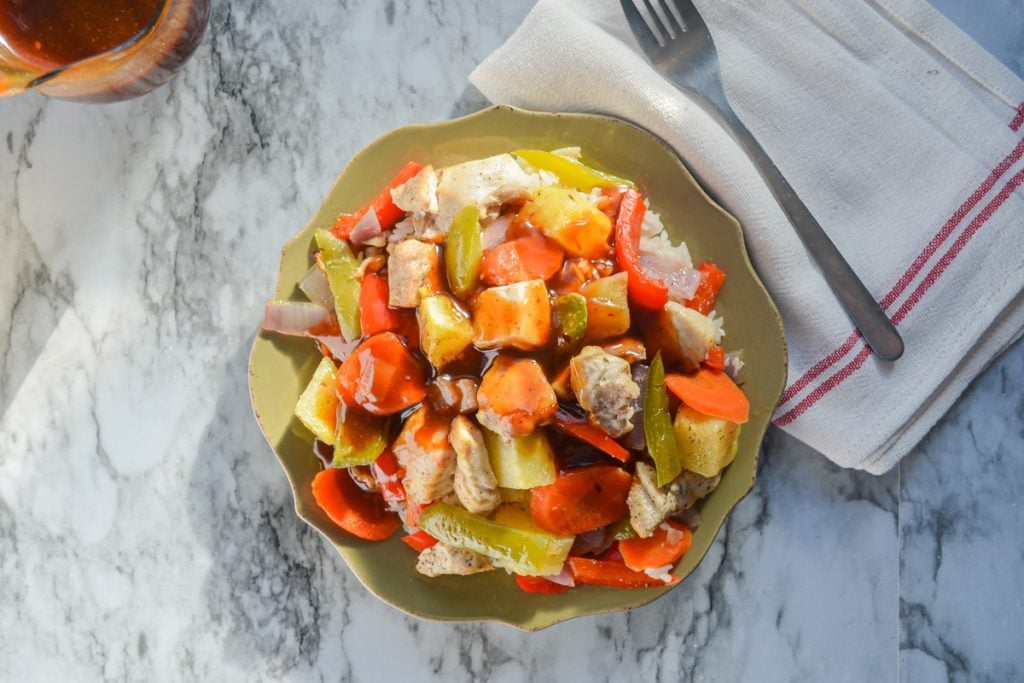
(147, 533)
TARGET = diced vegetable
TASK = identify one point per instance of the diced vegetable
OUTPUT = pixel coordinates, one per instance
(622, 529)
(572, 318)
(514, 397)
(360, 438)
(715, 359)
(445, 331)
(644, 290)
(711, 392)
(707, 291)
(612, 573)
(388, 474)
(463, 252)
(517, 315)
(316, 288)
(682, 334)
(387, 213)
(579, 428)
(375, 315)
(661, 440)
(668, 543)
(581, 500)
(521, 463)
(413, 267)
(297, 318)
(318, 405)
(570, 218)
(341, 266)
(706, 444)
(538, 584)
(530, 257)
(358, 512)
(523, 551)
(607, 307)
(381, 376)
(569, 171)
(419, 541)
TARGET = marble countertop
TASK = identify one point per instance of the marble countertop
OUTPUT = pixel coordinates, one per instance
(147, 533)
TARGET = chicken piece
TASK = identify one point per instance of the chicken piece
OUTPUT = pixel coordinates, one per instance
(440, 559)
(418, 195)
(516, 315)
(449, 395)
(484, 183)
(475, 484)
(683, 335)
(422, 448)
(413, 264)
(605, 388)
(650, 505)
(514, 397)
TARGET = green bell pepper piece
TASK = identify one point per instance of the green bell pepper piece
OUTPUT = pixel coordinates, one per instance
(571, 172)
(572, 317)
(658, 431)
(523, 551)
(622, 530)
(360, 437)
(464, 252)
(340, 265)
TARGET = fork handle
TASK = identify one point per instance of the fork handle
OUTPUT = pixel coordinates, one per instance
(864, 311)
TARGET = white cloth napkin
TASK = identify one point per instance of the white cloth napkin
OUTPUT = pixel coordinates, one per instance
(899, 133)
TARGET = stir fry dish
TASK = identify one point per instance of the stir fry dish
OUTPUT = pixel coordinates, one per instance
(519, 370)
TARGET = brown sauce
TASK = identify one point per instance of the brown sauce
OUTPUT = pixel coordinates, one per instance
(50, 34)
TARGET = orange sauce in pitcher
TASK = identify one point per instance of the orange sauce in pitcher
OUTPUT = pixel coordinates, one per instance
(49, 34)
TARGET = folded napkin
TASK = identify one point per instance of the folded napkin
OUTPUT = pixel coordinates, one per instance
(899, 133)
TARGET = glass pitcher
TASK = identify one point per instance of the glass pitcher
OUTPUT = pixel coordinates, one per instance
(96, 50)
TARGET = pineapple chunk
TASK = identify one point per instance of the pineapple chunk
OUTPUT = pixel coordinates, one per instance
(570, 218)
(317, 407)
(517, 315)
(706, 444)
(521, 463)
(445, 331)
(607, 307)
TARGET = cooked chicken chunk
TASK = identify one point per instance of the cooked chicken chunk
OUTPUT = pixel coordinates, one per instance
(514, 397)
(475, 484)
(450, 395)
(516, 315)
(442, 559)
(486, 183)
(413, 264)
(650, 505)
(605, 388)
(419, 193)
(422, 448)
(684, 335)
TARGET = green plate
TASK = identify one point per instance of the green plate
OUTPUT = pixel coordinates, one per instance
(279, 367)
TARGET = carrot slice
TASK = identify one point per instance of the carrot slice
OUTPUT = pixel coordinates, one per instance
(530, 257)
(381, 376)
(581, 500)
(656, 551)
(358, 512)
(712, 393)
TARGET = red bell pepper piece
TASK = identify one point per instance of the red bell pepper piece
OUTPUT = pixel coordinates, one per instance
(538, 584)
(707, 291)
(644, 290)
(387, 213)
(419, 541)
(610, 573)
(388, 474)
(715, 359)
(584, 431)
(374, 313)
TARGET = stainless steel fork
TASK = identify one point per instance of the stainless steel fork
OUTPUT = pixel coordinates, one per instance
(677, 42)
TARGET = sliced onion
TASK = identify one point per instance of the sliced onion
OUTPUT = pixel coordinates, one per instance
(338, 347)
(682, 280)
(316, 288)
(660, 573)
(494, 233)
(295, 318)
(366, 229)
(734, 365)
(562, 579)
(591, 542)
